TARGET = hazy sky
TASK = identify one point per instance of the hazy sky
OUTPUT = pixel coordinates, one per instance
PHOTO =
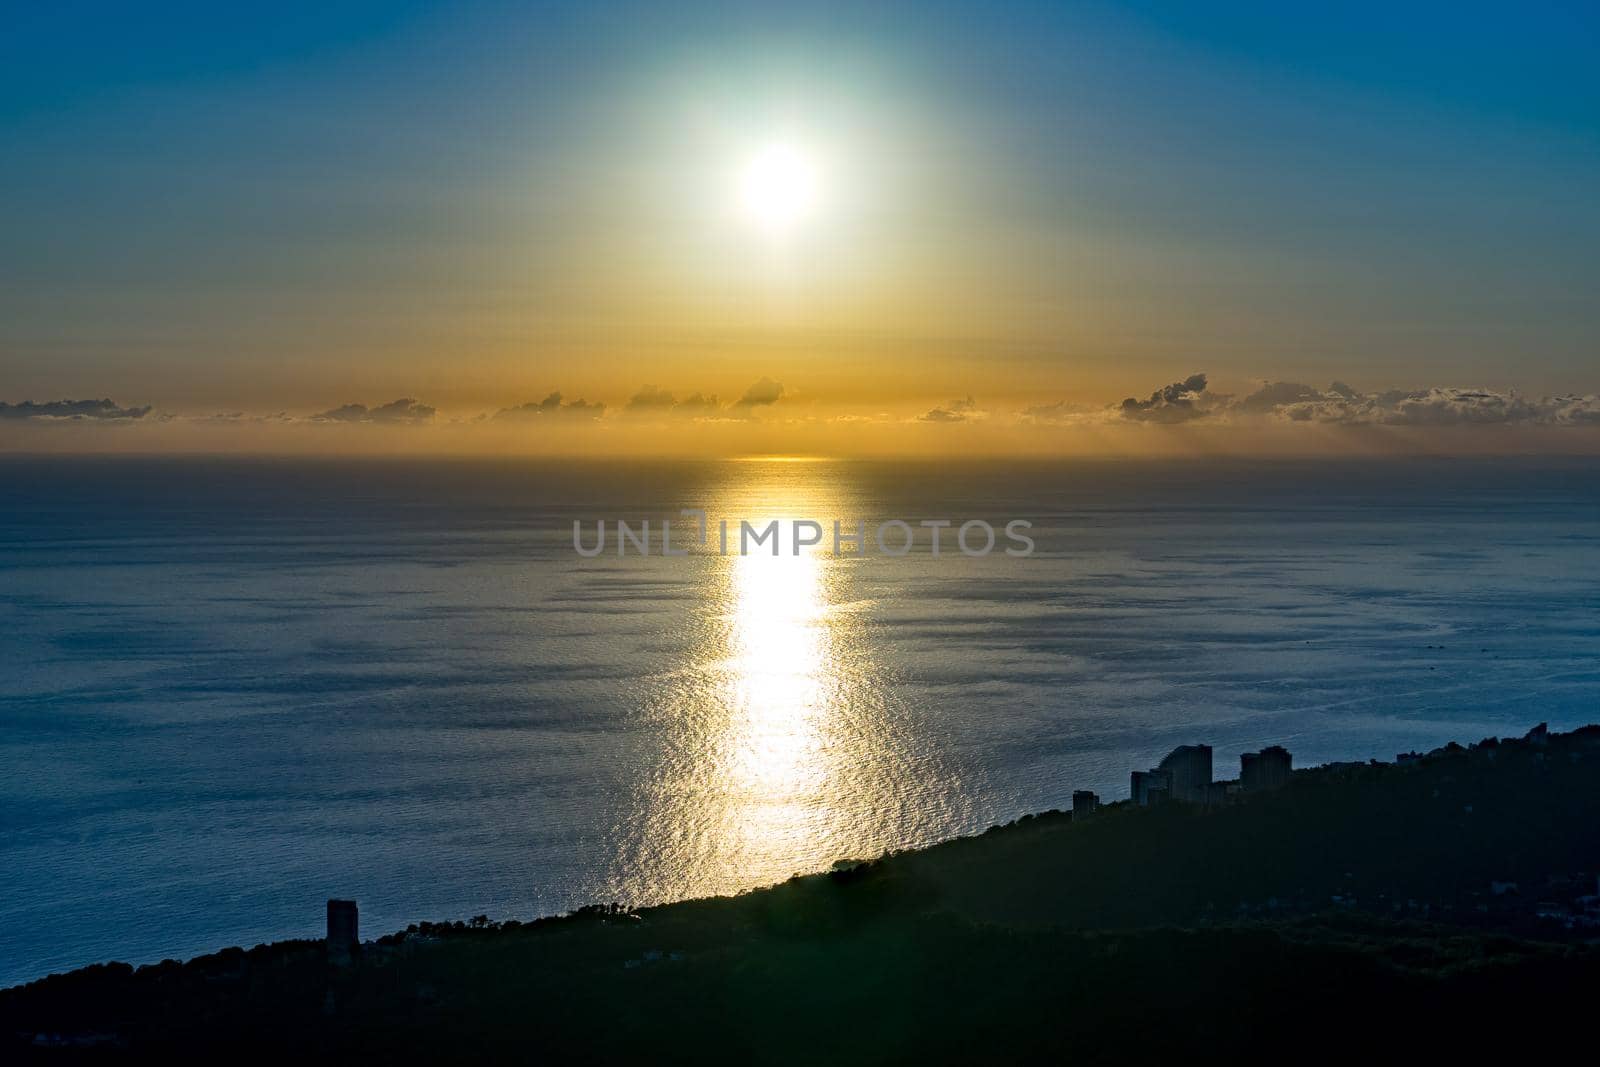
(1044, 207)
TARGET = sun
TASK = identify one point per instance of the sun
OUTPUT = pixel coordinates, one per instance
(778, 187)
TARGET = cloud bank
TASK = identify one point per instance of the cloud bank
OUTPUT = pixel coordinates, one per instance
(551, 407)
(956, 411)
(762, 394)
(656, 402)
(651, 400)
(1178, 402)
(74, 410)
(404, 410)
(1261, 419)
(1436, 406)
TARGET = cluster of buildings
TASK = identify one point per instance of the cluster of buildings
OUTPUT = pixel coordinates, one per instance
(1185, 775)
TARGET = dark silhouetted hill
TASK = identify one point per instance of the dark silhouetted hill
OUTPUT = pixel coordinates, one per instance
(1444, 906)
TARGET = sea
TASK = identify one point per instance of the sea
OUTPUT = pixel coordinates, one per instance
(233, 688)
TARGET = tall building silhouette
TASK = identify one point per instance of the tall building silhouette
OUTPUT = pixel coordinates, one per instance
(343, 929)
(1188, 769)
(1267, 769)
(1151, 787)
(1084, 804)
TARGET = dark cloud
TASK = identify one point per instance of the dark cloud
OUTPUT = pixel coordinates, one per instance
(955, 411)
(651, 398)
(1274, 395)
(764, 393)
(404, 410)
(73, 410)
(1174, 403)
(552, 407)
(653, 401)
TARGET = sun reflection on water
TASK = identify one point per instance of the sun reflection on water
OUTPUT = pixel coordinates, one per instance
(783, 754)
(782, 669)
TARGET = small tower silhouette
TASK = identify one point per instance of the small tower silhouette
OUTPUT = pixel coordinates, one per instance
(343, 930)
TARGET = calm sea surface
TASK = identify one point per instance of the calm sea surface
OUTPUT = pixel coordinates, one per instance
(233, 689)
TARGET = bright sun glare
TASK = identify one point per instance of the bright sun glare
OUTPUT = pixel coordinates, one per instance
(778, 187)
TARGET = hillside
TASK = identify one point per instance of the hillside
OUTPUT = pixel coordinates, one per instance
(1435, 905)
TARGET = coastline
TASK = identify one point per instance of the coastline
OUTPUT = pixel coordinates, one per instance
(1427, 870)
